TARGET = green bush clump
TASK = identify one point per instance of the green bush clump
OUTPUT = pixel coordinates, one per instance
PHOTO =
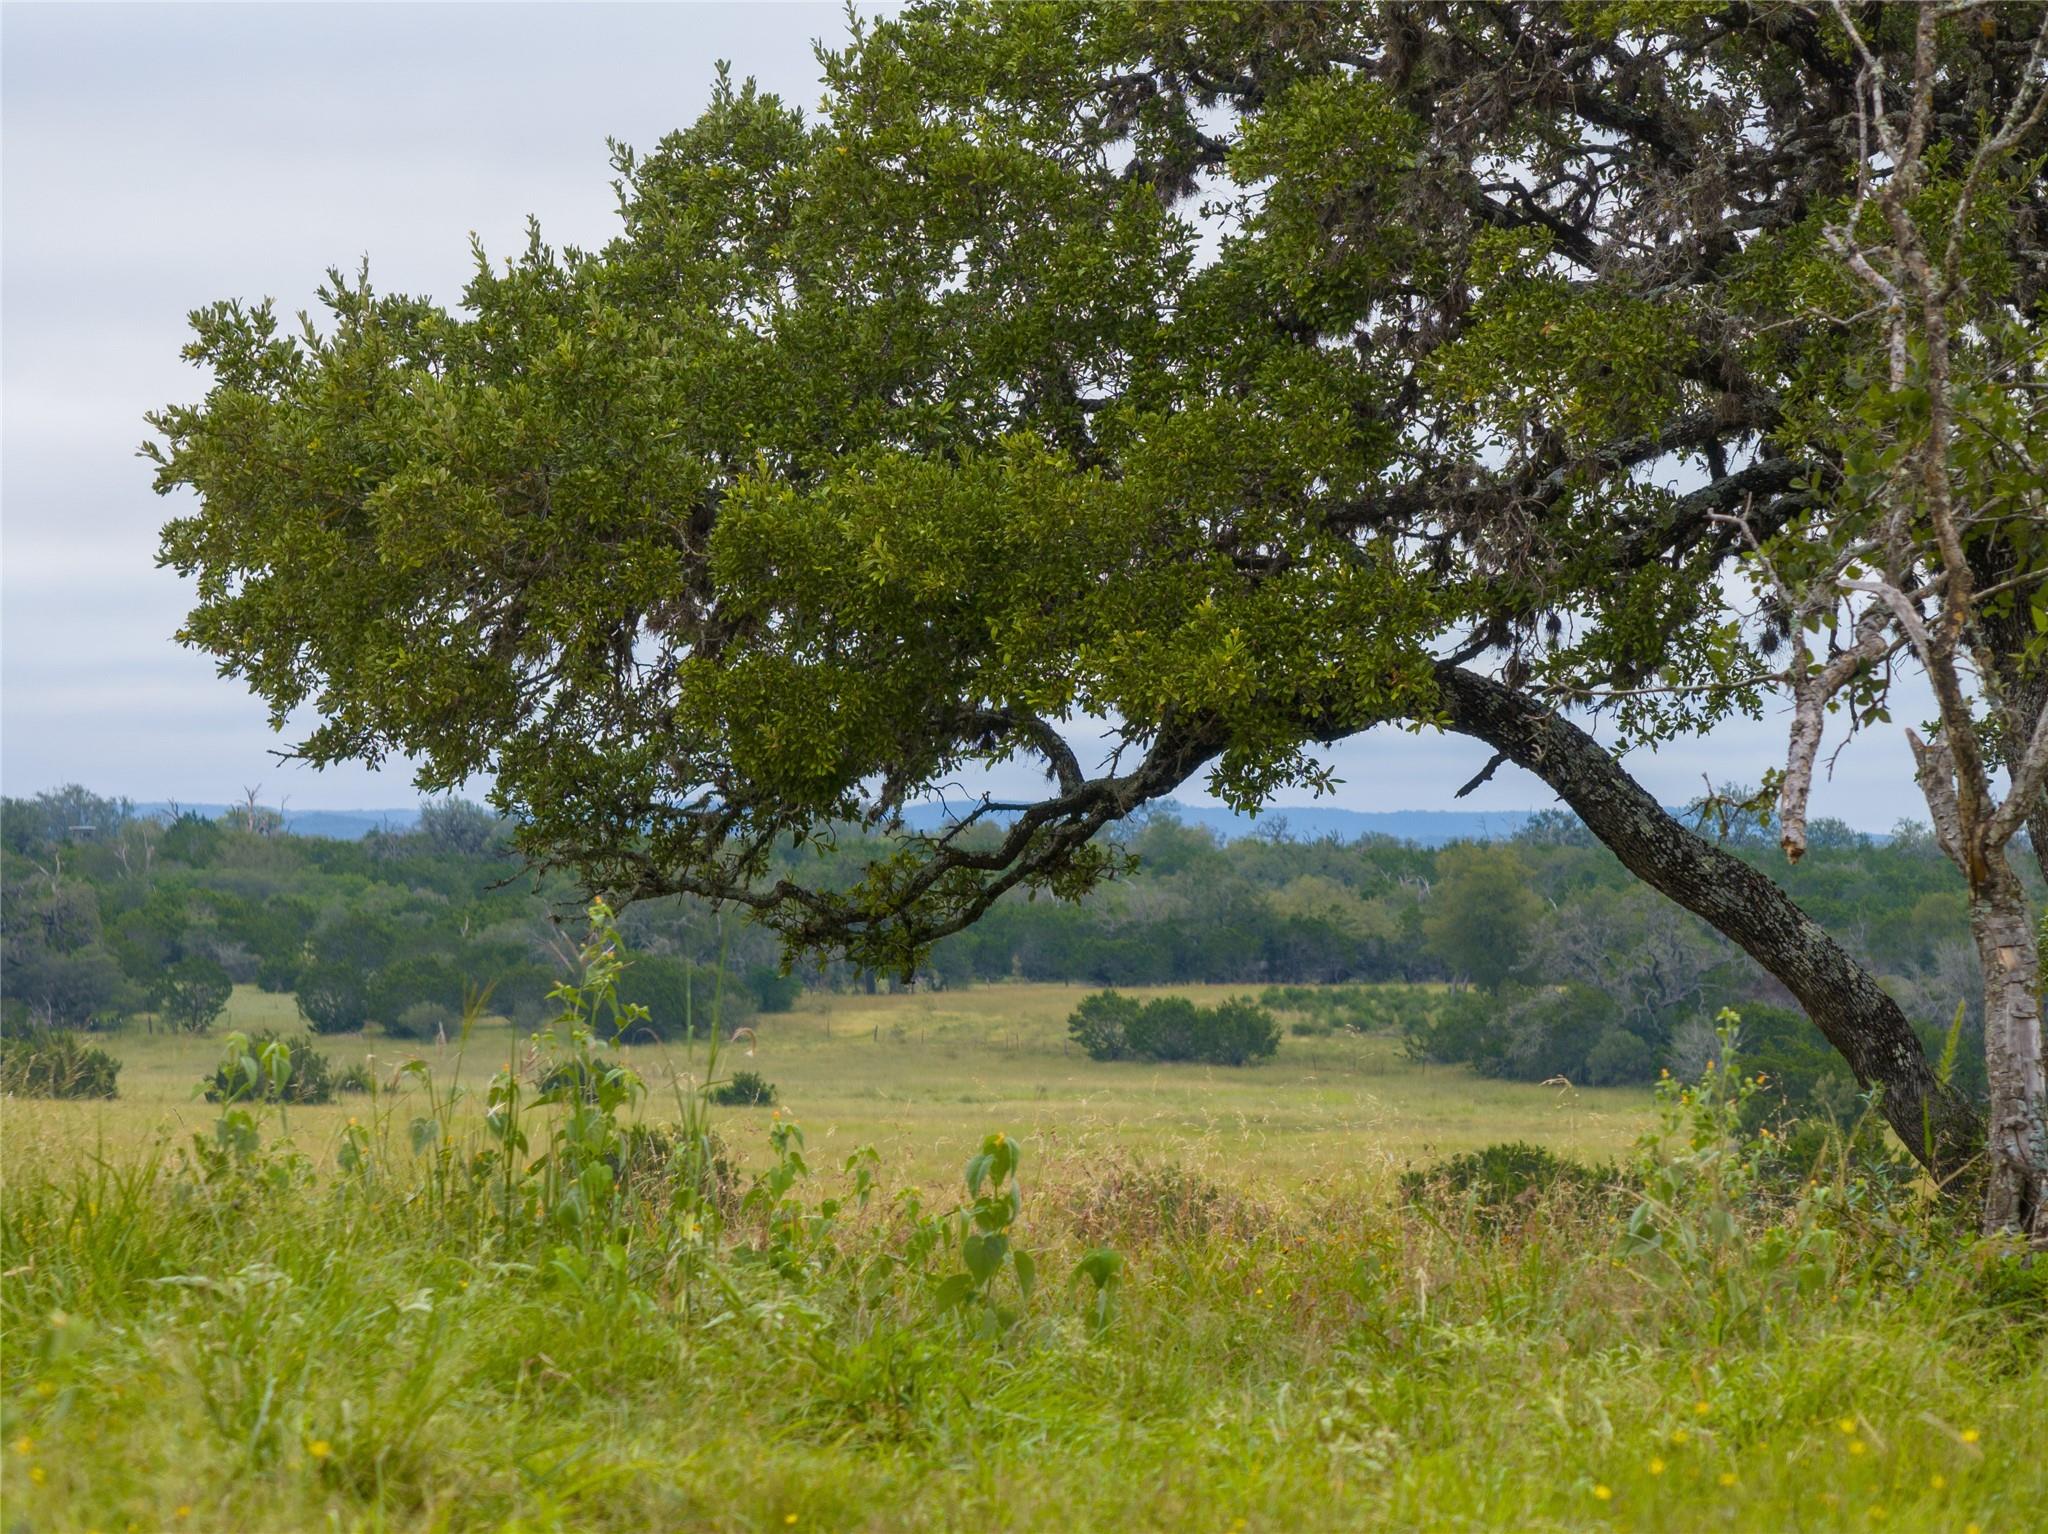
(332, 998)
(412, 996)
(354, 1078)
(300, 1073)
(1102, 1021)
(683, 1000)
(422, 1021)
(746, 1089)
(1110, 1026)
(772, 990)
(1318, 1010)
(191, 994)
(1500, 1177)
(43, 1062)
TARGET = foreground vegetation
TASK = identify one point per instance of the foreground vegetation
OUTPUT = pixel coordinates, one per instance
(539, 1308)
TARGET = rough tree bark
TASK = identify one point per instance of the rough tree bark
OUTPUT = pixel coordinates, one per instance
(1936, 1123)
(2016, 1198)
(2016, 1188)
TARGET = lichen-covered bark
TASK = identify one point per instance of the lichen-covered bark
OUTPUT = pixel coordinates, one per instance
(2016, 1197)
(1934, 1122)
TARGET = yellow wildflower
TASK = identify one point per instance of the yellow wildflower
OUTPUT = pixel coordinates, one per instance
(38, 1474)
(1727, 1477)
(1656, 1467)
(1857, 1446)
(24, 1445)
(1970, 1435)
(1938, 1481)
(1701, 1408)
(1847, 1424)
(1679, 1436)
(319, 1448)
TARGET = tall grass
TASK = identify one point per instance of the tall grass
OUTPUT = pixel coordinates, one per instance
(465, 1325)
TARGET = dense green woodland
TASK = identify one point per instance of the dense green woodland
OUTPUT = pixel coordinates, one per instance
(1561, 963)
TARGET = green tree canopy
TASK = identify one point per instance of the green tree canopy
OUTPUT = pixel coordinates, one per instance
(1481, 913)
(1244, 375)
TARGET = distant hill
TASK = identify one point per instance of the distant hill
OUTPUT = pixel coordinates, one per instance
(341, 825)
(1313, 822)
(1296, 822)
(1288, 822)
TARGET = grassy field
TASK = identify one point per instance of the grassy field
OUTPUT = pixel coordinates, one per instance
(924, 1077)
(1239, 1320)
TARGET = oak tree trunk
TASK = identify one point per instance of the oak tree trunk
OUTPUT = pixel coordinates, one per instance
(2016, 1194)
(1935, 1123)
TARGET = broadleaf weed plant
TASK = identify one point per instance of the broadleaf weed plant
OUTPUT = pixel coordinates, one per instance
(1729, 1226)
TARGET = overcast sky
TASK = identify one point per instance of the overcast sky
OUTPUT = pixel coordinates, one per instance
(159, 157)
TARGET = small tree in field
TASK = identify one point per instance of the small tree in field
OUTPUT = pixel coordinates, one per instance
(191, 995)
(1481, 913)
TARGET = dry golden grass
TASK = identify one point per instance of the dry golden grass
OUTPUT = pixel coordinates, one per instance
(923, 1077)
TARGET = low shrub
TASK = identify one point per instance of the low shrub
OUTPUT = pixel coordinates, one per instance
(521, 994)
(1500, 1178)
(1618, 1058)
(1110, 1026)
(1317, 1010)
(1237, 1033)
(745, 1089)
(1099, 1024)
(423, 1020)
(333, 998)
(42, 1062)
(1167, 1028)
(244, 1074)
(354, 1078)
(401, 989)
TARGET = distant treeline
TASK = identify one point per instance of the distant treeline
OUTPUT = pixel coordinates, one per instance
(1561, 962)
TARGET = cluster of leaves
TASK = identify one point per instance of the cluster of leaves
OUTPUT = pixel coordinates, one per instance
(1112, 1026)
(268, 1068)
(54, 1062)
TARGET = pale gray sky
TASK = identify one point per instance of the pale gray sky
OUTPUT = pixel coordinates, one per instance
(158, 157)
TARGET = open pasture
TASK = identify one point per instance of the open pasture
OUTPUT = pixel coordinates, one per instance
(922, 1077)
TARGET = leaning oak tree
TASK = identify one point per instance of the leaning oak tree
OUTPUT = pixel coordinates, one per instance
(1245, 376)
